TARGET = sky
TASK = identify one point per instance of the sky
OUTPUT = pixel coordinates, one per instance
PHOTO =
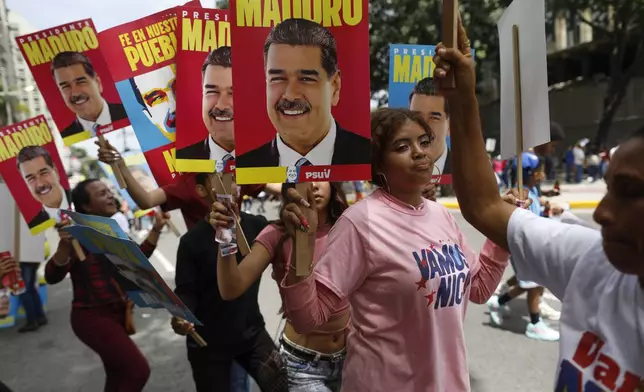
(105, 14)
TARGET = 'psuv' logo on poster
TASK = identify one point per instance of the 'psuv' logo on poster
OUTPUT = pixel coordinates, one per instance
(324, 174)
(606, 371)
(448, 263)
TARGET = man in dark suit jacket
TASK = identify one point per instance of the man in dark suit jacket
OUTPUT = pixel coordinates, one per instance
(116, 110)
(427, 101)
(82, 89)
(199, 150)
(348, 149)
(307, 134)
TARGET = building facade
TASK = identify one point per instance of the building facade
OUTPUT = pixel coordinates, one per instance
(578, 76)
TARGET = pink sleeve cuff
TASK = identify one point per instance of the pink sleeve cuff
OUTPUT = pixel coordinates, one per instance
(300, 294)
(495, 253)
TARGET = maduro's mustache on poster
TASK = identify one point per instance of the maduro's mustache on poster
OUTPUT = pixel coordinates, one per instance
(79, 98)
(292, 108)
(221, 115)
(43, 189)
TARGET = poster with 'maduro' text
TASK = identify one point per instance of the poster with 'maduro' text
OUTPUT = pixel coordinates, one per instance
(411, 85)
(72, 75)
(142, 61)
(205, 116)
(31, 167)
(302, 98)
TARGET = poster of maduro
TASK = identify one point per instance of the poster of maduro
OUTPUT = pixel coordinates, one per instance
(34, 173)
(301, 80)
(72, 76)
(142, 62)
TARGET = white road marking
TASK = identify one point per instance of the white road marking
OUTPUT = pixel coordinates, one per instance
(164, 261)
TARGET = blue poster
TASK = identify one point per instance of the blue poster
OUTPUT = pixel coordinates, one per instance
(408, 65)
(412, 67)
(141, 172)
(134, 266)
(104, 225)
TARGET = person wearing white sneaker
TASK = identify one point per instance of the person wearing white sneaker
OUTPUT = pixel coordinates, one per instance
(533, 174)
(599, 276)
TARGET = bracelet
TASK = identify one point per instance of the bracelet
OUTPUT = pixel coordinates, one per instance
(158, 231)
(294, 267)
(60, 265)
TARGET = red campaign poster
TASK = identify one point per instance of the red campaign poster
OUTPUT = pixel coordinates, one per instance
(311, 58)
(72, 76)
(142, 62)
(32, 169)
(205, 140)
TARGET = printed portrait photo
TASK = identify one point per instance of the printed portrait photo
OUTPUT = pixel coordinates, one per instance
(303, 85)
(82, 91)
(43, 179)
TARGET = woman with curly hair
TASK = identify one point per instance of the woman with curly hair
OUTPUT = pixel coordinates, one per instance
(313, 360)
(404, 266)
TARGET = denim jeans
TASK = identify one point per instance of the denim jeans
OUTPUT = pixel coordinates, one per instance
(238, 379)
(30, 299)
(579, 173)
(321, 375)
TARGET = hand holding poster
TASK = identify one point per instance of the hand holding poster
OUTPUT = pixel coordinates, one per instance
(33, 172)
(142, 62)
(141, 172)
(205, 141)
(74, 80)
(132, 264)
(411, 85)
(313, 58)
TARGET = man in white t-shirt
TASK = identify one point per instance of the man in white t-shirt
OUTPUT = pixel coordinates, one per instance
(599, 275)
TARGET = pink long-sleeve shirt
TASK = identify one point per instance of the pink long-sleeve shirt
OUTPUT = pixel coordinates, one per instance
(408, 274)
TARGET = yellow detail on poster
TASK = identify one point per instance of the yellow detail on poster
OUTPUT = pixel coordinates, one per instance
(261, 175)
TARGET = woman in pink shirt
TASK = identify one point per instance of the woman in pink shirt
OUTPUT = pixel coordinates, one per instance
(313, 360)
(405, 267)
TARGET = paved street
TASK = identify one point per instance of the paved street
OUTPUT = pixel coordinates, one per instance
(52, 359)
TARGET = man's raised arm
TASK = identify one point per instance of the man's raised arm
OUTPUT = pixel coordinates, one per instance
(144, 199)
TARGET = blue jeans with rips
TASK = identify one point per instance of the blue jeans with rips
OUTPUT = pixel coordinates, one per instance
(321, 375)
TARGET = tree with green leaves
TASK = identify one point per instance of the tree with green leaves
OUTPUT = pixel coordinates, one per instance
(419, 22)
(617, 25)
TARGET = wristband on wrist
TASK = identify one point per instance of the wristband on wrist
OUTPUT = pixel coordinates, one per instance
(61, 264)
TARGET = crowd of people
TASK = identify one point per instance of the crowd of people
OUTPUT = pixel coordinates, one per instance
(388, 275)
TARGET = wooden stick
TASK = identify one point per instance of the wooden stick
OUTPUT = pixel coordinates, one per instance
(303, 254)
(16, 237)
(518, 115)
(79, 250)
(173, 228)
(198, 339)
(171, 225)
(223, 183)
(115, 168)
(449, 35)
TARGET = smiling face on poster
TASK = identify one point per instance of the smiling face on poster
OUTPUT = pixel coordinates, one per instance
(142, 62)
(72, 76)
(205, 116)
(32, 169)
(314, 62)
